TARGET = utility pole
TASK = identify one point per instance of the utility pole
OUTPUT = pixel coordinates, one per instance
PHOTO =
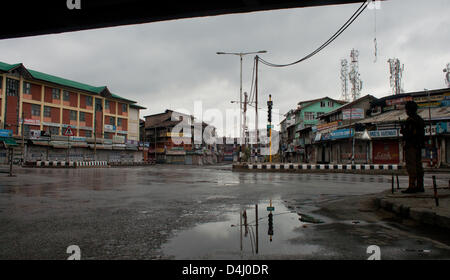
(23, 140)
(95, 133)
(241, 54)
(429, 118)
(245, 119)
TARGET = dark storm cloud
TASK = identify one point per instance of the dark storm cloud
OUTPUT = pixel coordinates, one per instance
(171, 64)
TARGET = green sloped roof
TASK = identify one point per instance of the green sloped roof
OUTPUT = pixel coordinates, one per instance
(61, 81)
(7, 67)
(64, 82)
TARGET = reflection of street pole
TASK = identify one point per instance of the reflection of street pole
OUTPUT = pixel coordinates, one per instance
(240, 227)
(270, 230)
(256, 217)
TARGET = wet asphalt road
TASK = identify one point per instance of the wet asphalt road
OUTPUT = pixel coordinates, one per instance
(191, 212)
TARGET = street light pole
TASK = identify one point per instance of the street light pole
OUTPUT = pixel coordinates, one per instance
(241, 54)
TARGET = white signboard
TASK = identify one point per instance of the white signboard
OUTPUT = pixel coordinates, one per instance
(354, 114)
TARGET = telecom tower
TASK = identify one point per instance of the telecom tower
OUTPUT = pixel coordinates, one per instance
(354, 75)
(396, 75)
(344, 80)
(447, 75)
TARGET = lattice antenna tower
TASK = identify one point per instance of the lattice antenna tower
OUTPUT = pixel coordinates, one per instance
(396, 71)
(344, 80)
(447, 75)
(354, 76)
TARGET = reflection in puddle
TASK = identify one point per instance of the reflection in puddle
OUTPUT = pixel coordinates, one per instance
(222, 240)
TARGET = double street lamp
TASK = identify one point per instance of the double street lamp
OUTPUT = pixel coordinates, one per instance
(241, 54)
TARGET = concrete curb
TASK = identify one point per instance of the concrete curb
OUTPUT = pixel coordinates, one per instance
(422, 215)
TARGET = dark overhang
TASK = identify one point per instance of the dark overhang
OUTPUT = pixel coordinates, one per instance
(32, 18)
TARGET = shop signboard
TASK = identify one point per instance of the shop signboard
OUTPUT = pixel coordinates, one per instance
(428, 98)
(324, 126)
(353, 114)
(110, 128)
(385, 152)
(396, 101)
(6, 133)
(35, 134)
(383, 133)
(442, 127)
(317, 137)
(445, 103)
(342, 133)
(31, 122)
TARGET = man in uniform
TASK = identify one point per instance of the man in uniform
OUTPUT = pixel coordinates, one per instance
(413, 131)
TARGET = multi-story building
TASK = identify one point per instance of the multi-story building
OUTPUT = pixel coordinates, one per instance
(171, 143)
(306, 116)
(34, 101)
(335, 138)
(287, 132)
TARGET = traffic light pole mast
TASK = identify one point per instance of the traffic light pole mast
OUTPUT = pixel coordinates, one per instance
(269, 105)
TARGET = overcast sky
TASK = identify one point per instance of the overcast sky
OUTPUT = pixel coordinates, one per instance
(171, 64)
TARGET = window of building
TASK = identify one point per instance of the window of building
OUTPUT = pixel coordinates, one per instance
(88, 100)
(309, 116)
(66, 95)
(56, 93)
(88, 133)
(82, 116)
(47, 111)
(107, 135)
(330, 103)
(124, 107)
(322, 103)
(112, 121)
(106, 104)
(26, 88)
(119, 122)
(73, 115)
(318, 114)
(35, 110)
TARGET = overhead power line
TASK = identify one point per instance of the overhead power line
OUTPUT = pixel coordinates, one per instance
(324, 45)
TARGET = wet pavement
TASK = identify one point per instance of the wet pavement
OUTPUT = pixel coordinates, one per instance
(190, 212)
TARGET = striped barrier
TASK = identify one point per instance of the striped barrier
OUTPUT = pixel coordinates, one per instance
(337, 167)
(91, 163)
(71, 164)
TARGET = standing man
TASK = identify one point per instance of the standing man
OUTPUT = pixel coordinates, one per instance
(413, 131)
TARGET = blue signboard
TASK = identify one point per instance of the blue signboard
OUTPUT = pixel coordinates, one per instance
(6, 133)
(442, 127)
(445, 103)
(342, 133)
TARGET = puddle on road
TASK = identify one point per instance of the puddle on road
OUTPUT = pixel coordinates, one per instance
(221, 240)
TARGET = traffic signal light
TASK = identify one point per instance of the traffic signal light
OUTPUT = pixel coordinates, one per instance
(270, 231)
(269, 111)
